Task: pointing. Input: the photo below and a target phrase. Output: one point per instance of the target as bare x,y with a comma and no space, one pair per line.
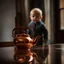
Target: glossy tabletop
51,53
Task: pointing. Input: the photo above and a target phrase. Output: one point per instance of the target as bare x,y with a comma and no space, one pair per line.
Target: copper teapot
22,40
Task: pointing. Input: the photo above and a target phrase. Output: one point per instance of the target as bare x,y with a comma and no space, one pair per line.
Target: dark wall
7,19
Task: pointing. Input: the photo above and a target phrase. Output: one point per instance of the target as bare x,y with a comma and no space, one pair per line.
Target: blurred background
15,13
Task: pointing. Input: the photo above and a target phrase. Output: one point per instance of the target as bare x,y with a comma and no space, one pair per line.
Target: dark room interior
15,13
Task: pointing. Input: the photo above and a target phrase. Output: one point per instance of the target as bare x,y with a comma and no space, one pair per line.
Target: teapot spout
36,40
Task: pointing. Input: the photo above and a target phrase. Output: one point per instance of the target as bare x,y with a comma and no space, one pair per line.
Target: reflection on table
36,55
55,54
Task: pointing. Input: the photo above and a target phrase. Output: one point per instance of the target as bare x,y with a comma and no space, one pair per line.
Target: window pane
61,3
62,14
62,19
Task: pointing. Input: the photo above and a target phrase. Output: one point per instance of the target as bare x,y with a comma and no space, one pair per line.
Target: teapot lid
23,35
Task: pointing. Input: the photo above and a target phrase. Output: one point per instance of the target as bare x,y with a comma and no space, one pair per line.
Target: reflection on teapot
23,40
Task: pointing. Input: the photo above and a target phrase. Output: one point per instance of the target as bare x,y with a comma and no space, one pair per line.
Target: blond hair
36,11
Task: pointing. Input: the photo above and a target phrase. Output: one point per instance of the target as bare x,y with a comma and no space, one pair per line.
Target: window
62,14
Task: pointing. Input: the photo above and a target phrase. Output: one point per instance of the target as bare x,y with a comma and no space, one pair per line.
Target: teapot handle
20,30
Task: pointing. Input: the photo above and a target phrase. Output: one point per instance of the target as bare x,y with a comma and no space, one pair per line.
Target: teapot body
23,41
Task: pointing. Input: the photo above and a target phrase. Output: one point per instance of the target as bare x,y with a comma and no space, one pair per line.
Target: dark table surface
7,53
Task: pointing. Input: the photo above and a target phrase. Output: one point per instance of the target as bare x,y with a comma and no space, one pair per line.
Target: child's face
35,17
